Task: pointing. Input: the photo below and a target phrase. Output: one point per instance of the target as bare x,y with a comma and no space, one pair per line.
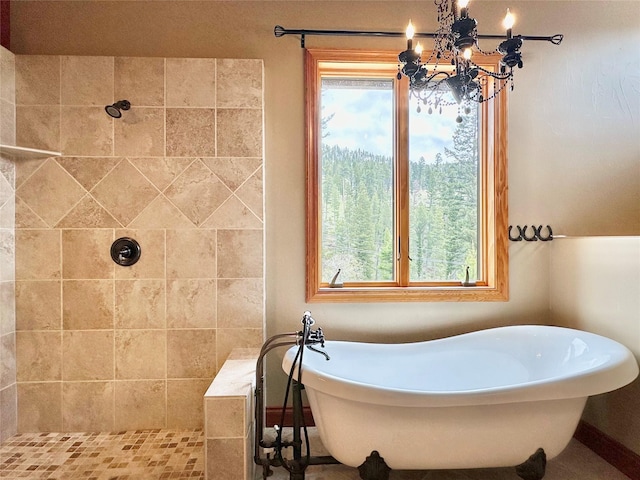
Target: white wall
594,285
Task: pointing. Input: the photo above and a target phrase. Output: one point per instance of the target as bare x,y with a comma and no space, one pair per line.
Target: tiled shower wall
102,347
7,250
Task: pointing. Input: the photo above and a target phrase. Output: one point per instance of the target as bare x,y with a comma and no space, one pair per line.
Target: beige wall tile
7,123
151,263
8,213
8,169
233,214
40,407
88,213
7,192
161,171
38,127
225,458
197,192
37,80
87,355
239,133
8,75
141,354
161,213
39,356
140,132
51,192
191,82
140,404
7,359
38,254
86,253
7,307
230,338
233,171
140,304
27,218
38,305
240,253
191,303
125,192
239,83
86,131
87,304
140,80
226,417
241,303
8,412
87,80
87,406
191,132
184,403
251,194
88,171
25,168
7,255
191,353
191,253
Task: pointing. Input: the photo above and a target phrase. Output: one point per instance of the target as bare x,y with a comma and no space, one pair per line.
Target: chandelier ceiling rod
279,31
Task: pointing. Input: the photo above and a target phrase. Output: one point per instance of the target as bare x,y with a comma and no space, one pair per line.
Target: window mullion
402,180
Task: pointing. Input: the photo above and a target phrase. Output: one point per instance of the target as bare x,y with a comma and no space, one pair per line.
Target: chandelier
449,76
455,43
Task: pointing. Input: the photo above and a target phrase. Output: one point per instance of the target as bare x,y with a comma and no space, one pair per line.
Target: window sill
409,294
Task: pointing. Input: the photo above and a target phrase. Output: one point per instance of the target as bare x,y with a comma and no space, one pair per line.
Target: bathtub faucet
311,337
295,466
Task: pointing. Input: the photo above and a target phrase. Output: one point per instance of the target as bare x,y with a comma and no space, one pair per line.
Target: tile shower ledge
26,152
228,406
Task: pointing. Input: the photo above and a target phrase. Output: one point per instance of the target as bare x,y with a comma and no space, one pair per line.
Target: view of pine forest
357,208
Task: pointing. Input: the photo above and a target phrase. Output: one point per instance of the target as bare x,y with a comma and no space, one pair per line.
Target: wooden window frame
493,197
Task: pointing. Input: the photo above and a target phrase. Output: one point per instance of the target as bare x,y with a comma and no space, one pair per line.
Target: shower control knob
125,251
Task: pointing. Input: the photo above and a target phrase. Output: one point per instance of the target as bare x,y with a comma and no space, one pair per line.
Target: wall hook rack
537,234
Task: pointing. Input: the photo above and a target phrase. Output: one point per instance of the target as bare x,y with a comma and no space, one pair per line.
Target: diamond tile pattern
110,192
50,192
197,183
124,192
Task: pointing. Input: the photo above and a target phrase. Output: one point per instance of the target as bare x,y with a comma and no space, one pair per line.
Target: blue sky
362,119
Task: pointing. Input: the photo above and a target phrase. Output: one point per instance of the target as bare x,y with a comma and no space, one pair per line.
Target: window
406,205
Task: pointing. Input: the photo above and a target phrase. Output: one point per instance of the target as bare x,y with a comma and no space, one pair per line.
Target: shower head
114,110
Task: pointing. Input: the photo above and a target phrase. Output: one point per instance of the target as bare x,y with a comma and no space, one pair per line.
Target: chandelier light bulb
410,32
508,22
467,54
419,49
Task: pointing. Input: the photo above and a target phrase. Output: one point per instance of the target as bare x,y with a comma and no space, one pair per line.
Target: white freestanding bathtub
484,399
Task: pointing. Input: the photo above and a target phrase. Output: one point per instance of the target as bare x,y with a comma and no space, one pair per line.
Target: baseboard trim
273,416
621,457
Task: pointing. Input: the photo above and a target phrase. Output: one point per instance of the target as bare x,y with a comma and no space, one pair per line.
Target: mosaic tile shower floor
134,455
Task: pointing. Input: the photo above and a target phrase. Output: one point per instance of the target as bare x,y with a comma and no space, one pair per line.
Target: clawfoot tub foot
374,468
535,466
